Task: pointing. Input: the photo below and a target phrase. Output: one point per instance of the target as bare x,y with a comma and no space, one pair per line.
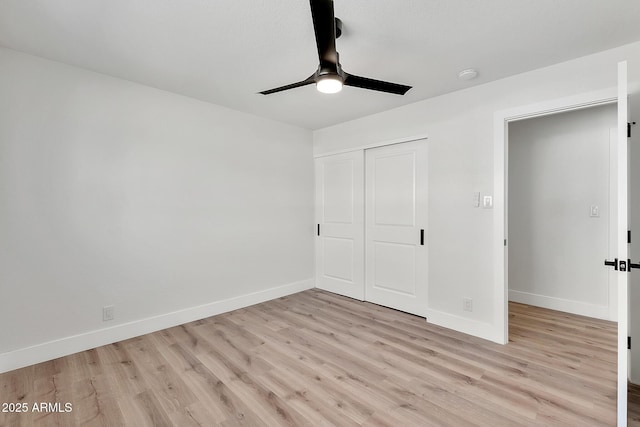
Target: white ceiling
225,51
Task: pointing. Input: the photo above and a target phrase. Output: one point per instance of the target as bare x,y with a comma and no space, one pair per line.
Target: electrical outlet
107,313
467,304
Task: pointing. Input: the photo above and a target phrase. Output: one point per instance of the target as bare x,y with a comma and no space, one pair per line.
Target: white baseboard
467,326
62,347
560,304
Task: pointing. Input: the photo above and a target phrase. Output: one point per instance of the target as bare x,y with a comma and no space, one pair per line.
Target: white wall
460,132
113,193
558,169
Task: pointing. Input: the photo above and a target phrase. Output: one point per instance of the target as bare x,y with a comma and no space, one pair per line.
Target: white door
620,232
396,222
340,224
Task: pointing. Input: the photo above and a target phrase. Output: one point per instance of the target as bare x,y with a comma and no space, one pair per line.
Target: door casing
500,329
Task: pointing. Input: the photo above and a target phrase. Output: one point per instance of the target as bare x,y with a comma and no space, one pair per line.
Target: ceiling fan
330,77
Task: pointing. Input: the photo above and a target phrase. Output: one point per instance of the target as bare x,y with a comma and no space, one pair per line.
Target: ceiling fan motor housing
330,69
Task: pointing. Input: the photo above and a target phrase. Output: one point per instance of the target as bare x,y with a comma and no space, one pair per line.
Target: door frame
500,181
619,95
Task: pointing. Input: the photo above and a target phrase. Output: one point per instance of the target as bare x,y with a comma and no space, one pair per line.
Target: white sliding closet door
396,220
340,224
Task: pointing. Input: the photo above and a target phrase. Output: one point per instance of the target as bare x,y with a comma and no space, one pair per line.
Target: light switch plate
487,202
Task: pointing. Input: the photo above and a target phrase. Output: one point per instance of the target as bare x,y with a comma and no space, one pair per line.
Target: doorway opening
558,211
618,204
561,224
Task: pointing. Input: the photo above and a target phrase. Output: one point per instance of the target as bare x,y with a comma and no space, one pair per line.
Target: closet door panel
396,220
340,224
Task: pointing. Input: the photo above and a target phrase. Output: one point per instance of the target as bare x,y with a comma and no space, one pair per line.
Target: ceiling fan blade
324,24
307,81
379,85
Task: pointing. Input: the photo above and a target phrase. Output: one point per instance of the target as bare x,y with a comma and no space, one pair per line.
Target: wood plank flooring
633,410
318,359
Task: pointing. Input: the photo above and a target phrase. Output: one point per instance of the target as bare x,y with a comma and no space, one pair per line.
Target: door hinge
628,343
318,229
505,242
628,236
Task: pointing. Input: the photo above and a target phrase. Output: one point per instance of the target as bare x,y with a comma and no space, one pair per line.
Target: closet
371,211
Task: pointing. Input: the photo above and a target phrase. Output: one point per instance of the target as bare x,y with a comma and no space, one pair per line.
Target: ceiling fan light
329,84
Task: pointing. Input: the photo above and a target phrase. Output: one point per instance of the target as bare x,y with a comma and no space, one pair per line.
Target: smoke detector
468,74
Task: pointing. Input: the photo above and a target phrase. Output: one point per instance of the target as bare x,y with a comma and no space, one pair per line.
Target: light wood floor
633,413
316,359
